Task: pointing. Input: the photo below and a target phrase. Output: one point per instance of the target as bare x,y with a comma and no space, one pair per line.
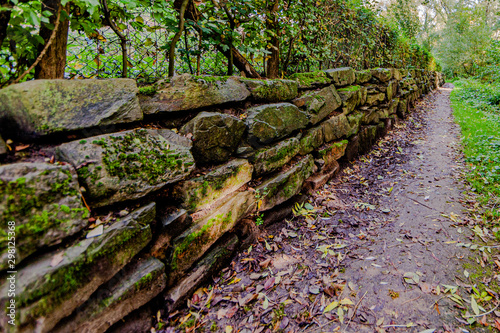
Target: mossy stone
331,152
374,99
269,159
271,122
194,242
355,120
128,165
44,202
271,90
341,77
204,191
311,139
311,79
215,136
351,98
132,287
207,267
40,107
319,104
381,74
363,76
186,92
48,291
281,187
335,128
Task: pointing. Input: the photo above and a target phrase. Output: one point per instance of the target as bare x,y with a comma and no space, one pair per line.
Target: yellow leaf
229,329
346,301
331,306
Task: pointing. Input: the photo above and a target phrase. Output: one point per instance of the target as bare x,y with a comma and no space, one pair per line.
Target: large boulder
341,76
268,159
281,187
271,90
44,203
270,122
128,290
215,136
194,242
319,104
128,165
40,107
335,128
58,282
186,92
204,191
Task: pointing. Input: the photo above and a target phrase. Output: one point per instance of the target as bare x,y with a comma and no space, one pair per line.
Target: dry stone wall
128,198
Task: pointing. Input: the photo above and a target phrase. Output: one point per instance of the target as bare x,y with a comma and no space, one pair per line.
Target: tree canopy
270,38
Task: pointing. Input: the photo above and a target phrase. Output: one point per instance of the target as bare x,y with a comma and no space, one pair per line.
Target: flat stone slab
43,201
128,165
40,107
319,104
128,290
51,287
270,122
269,159
186,92
215,136
341,77
204,269
205,191
271,90
285,185
194,242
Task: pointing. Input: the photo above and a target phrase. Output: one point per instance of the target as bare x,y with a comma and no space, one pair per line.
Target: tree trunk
121,36
240,62
52,65
273,64
171,54
4,19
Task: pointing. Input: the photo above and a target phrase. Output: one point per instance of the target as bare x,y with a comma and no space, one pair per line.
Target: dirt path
367,254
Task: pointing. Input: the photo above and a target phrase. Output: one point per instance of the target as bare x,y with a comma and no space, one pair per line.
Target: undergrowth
476,107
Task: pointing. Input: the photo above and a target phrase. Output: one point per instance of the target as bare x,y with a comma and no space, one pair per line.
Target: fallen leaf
331,306
474,306
229,329
269,283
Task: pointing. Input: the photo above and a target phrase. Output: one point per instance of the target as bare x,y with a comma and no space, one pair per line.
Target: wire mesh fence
100,55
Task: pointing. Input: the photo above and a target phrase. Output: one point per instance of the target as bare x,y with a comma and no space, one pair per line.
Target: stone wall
128,198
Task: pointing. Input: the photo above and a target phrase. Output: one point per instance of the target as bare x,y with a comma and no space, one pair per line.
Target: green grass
478,115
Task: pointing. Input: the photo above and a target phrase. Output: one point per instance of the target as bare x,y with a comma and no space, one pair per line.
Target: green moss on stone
148,90
311,78
349,88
